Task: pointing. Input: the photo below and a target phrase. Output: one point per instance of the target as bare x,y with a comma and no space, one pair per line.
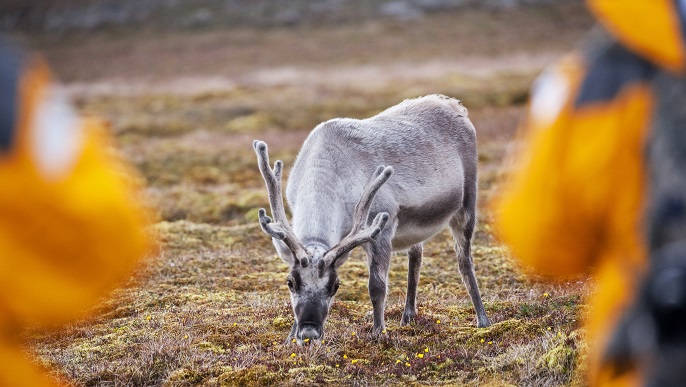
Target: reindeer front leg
379,259
414,265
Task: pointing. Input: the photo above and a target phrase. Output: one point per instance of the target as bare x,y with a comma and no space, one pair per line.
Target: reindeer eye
291,286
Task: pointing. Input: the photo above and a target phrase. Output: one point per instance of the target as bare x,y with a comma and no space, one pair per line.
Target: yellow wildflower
345,356
354,361
490,343
408,364
426,349
420,355
293,354
148,317
307,340
482,340
438,321
546,295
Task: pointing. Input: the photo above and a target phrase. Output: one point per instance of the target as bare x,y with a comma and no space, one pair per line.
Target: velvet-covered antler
279,228
361,233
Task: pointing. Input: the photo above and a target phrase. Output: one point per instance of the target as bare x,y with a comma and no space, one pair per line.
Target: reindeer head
313,279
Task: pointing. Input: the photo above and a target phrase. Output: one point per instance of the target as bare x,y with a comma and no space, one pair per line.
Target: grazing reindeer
431,145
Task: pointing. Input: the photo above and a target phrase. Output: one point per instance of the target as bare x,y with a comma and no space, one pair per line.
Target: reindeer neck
320,212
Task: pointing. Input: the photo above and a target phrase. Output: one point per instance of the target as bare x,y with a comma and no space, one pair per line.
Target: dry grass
212,307
196,315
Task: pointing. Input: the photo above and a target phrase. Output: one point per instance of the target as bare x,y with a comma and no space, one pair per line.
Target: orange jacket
70,226
576,201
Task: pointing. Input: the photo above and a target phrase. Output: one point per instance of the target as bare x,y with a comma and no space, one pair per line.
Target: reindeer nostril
310,331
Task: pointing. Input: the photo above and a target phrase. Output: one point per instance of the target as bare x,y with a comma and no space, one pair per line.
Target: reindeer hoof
407,318
380,334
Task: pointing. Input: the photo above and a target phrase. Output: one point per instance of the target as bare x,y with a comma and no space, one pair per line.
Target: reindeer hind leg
462,227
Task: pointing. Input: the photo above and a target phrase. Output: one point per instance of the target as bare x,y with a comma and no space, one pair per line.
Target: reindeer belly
411,235
419,223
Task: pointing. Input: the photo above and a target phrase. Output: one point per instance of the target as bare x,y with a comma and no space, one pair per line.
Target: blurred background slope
181,98
61,15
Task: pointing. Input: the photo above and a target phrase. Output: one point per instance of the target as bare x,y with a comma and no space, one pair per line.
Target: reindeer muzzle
309,331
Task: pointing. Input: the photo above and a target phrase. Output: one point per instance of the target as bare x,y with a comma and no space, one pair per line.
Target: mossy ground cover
211,307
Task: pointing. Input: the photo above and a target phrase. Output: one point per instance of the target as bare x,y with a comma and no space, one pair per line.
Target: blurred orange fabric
70,228
651,28
575,202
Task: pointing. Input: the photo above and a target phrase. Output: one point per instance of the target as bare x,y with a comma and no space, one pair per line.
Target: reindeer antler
360,232
280,229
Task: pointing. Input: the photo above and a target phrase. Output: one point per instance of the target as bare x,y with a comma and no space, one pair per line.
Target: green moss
558,359
207,346
253,376
281,322
250,123
184,376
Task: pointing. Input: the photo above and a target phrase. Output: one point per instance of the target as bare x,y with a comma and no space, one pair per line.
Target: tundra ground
212,307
